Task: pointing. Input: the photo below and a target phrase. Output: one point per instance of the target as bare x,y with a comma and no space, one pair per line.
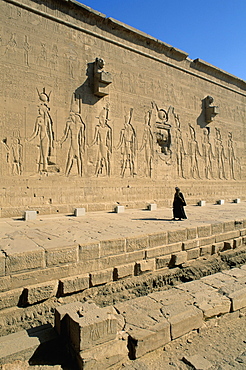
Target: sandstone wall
75,132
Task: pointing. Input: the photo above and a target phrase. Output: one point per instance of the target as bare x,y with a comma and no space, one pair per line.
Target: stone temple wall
94,113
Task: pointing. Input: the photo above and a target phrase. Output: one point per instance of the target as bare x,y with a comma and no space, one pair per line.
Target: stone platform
62,254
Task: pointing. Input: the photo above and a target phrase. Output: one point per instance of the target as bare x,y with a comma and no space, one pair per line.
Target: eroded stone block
30,215
123,271
40,292
101,277
74,284
144,266
177,236
10,298
179,258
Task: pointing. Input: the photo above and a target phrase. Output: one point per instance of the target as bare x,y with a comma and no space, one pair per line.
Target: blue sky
214,31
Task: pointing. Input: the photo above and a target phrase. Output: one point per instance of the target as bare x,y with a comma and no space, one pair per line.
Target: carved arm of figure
65,135
120,143
35,131
109,140
95,139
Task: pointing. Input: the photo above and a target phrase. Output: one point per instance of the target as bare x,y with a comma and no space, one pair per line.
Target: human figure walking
178,205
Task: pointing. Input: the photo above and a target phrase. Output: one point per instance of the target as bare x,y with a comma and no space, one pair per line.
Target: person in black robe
178,205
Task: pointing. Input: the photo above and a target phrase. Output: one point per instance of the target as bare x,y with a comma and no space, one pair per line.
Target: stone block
206,250
135,243
238,299
206,241
30,215
201,203
89,251
203,231
40,292
219,280
178,258
74,284
157,240
2,263
197,362
91,326
59,256
10,298
79,212
193,254
134,256
152,207
243,232
143,341
119,209
228,245
188,319
144,266
229,226
190,244
217,247
238,224
101,277
177,236
217,228
62,327
112,247
123,271
162,262
22,261
220,201
227,235
104,356
164,250
237,242
237,200
191,233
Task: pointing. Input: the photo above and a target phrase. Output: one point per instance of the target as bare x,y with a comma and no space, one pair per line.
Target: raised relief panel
75,133
162,133
101,79
220,155
210,110
103,140
148,144
128,145
208,154
14,153
43,130
193,152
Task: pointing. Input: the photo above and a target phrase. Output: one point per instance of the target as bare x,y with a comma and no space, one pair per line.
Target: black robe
178,206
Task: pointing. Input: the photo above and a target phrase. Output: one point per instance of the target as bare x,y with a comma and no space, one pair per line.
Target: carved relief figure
180,153
14,153
231,156
101,78
11,45
54,58
193,151
44,130
128,145
103,138
162,130
220,155
147,144
75,132
207,154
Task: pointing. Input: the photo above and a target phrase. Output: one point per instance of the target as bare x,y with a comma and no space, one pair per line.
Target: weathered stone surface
104,356
101,277
190,244
162,262
193,253
217,247
59,256
123,271
137,242
78,212
40,292
89,251
203,231
152,207
179,258
237,242
30,215
157,240
206,250
206,241
191,233
238,299
112,247
177,236
229,226
228,245
144,266
74,284
197,362
164,250
10,298
2,263
119,209
227,235
61,311
217,228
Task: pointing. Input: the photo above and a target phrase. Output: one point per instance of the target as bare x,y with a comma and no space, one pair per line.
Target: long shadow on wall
85,91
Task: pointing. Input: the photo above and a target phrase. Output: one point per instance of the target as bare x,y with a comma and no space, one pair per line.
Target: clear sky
214,31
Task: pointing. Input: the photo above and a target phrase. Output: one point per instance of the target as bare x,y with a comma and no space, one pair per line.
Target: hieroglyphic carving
193,152
128,145
75,132
207,154
103,138
147,143
42,57
180,153
11,45
26,47
220,155
14,150
43,129
53,63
